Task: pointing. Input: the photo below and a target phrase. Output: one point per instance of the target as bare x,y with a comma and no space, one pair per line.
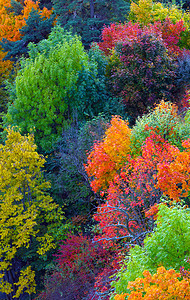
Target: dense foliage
88,18
28,213
144,75
163,247
162,285
103,88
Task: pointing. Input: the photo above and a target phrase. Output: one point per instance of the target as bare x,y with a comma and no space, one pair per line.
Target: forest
94,150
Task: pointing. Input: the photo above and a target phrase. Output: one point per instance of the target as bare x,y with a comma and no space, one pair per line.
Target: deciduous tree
24,206
109,155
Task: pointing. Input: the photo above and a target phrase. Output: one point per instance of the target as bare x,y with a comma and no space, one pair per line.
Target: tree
131,193
60,88
147,11
162,285
36,29
12,23
24,206
13,16
173,177
165,119
65,167
109,155
137,185
155,79
88,18
166,31
47,99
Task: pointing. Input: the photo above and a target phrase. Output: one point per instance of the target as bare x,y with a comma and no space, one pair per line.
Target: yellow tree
24,206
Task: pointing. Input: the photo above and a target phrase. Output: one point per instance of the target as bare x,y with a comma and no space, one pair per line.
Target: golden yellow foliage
147,11
23,199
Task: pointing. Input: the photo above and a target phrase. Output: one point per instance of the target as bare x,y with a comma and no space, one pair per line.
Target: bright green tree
24,206
57,84
46,91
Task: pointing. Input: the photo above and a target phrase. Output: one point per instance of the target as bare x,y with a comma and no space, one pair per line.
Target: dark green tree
16,7
87,18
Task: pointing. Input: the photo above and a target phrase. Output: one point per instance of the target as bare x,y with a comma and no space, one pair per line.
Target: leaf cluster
168,245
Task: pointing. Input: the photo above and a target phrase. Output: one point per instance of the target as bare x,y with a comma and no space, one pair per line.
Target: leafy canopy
24,206
46,91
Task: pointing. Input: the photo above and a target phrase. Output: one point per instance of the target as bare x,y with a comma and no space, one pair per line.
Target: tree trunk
92,9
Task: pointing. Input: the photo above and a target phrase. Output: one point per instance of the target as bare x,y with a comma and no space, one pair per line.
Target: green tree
87,18
46,91
28,215
57,84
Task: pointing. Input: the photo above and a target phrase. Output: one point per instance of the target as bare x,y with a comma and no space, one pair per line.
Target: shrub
144,75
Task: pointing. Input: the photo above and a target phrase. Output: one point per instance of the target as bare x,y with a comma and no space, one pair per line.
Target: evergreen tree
87,18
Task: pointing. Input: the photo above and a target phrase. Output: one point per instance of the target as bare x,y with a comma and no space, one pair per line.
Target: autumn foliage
136,183
165,284
10,24
81,263
131,193
23,202
174,177
109,155
166,31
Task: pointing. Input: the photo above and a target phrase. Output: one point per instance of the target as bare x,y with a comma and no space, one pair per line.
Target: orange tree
161,170
165,284
131,193
108,155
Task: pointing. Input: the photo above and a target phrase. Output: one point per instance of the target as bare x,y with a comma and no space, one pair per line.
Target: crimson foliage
144,75
79,262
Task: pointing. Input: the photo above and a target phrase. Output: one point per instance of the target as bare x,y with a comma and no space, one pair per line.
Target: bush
144,75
